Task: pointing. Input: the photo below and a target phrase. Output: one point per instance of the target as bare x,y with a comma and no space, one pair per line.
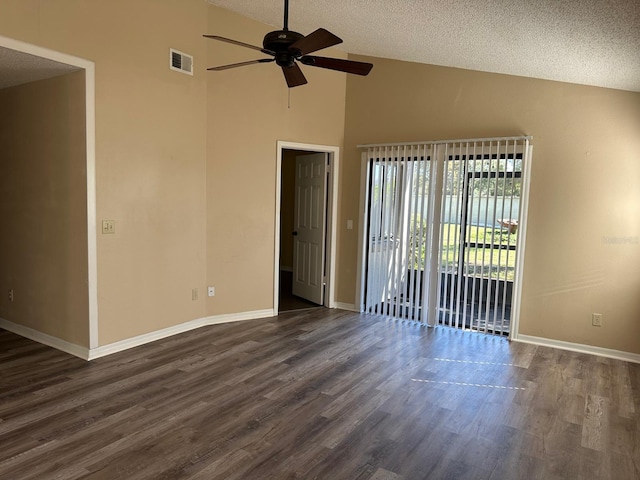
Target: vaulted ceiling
591,42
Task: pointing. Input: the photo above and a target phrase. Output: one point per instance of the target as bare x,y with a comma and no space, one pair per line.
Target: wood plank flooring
320,394
287,301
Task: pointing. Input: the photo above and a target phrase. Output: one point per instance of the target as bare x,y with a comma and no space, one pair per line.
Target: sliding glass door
442,228
398,222
480,219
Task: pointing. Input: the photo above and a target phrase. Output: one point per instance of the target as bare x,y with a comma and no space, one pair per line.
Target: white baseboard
346,306
578,347
45,339
176,329
239,317
104,350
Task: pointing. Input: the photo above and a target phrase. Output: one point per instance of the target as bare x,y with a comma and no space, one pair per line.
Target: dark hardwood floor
287,300
323,394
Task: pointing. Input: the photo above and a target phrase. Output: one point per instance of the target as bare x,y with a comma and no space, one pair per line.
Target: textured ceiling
17,68
591,42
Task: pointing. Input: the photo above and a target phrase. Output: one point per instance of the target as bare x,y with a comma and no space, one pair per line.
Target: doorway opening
22,64
305,226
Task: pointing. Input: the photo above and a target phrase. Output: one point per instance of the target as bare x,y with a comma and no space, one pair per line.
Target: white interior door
310,227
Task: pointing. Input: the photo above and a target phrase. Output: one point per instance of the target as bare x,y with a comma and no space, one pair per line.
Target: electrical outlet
11,295
194,294
596,319
211,291
108,226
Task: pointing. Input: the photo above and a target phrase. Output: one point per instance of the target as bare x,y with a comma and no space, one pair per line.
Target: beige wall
43,246
247,114
150,149
185,165
583,241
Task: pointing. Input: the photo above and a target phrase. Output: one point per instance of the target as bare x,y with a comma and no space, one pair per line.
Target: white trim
86,354
514,328
45,339
241,316
176,329
363,246
90,122
332,218
578,347
104,350
332,226
92,241
346,306
276,253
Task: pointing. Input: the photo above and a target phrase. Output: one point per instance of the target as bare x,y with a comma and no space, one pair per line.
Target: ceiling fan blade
240,44
317,40
294,75
242,64
348,66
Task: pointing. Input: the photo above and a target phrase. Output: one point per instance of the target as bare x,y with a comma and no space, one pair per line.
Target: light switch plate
108,226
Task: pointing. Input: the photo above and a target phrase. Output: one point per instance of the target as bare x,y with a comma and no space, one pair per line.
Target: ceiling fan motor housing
279,43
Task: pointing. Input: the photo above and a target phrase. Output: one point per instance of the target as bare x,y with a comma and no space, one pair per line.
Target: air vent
180,62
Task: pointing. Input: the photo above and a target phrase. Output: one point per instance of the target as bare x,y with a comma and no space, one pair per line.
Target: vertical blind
442,224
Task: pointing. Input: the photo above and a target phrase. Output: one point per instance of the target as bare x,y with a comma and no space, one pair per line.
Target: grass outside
494,263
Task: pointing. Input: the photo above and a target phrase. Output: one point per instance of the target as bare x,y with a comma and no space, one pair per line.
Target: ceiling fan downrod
286,15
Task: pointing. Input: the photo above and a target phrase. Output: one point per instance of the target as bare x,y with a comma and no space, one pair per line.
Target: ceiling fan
288,47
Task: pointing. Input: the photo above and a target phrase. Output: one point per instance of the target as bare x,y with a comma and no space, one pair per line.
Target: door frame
90,122
333,153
